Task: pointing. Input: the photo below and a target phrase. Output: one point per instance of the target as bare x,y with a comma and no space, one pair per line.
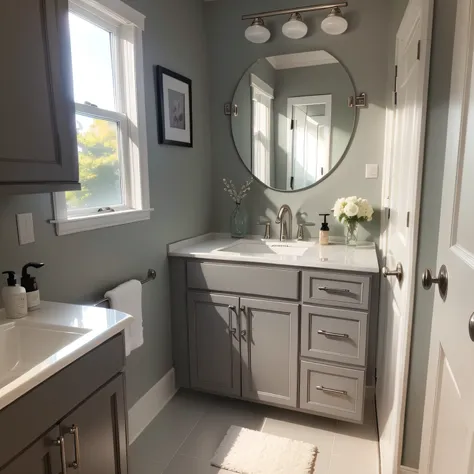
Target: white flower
351,209
353,199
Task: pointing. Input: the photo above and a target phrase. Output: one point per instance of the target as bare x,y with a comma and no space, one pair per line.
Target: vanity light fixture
257,32
295,27
334,23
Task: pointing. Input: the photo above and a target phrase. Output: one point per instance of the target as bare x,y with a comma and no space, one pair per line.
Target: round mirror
291,121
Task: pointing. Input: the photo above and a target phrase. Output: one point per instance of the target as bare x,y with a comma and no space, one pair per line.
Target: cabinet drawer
336,289
334,391
338,335
244,279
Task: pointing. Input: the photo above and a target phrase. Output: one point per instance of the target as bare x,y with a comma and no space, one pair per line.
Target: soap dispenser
14,298
31,286
324,232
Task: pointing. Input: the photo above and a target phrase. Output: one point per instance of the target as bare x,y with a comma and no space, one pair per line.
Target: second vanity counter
289,323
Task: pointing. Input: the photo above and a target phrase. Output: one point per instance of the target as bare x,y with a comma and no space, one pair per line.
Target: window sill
82,224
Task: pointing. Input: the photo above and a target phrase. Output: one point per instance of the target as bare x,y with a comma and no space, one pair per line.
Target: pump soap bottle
14,298
324,232
31,287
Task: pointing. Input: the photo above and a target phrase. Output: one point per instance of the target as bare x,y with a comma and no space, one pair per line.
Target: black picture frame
163,137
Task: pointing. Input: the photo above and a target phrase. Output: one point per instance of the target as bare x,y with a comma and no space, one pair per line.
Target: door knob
427,281
398,272
471,327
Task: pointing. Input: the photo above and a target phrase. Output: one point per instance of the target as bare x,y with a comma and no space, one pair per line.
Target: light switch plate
371,171
26,231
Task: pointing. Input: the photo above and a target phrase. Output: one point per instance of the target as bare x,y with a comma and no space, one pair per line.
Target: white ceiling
311,58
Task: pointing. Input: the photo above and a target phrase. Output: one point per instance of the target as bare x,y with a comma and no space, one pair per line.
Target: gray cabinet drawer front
244,279
337,335
333,391
336,289
37,411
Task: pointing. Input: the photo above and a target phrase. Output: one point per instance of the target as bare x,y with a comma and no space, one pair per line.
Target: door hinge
388,213
292,125
408,219
418,53
395,81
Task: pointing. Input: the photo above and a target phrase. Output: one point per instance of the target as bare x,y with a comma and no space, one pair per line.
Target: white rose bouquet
351,211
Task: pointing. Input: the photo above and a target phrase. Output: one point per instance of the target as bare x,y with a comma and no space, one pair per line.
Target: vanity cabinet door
214,344
269,343
42,457
95,433
37,126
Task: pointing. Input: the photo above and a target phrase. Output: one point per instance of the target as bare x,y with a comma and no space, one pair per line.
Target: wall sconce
295,28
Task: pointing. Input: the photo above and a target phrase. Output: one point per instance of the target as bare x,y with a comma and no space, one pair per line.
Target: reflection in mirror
293,123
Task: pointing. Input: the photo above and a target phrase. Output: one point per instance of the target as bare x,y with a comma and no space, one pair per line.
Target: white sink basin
25,345
268,248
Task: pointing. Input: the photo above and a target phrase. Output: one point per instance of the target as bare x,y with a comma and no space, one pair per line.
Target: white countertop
335,256
82,327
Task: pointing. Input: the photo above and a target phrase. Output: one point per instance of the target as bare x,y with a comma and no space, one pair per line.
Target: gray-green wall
81,267
363,50
438,102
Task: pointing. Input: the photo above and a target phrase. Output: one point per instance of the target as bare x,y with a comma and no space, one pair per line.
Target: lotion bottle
31,286
14,298
324,232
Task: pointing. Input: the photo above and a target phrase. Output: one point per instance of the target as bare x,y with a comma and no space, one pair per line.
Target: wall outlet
26,231
371,171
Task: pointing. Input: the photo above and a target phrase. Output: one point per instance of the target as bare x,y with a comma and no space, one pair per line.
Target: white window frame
126,26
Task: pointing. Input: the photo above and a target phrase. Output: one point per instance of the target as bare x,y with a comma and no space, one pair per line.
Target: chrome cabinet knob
398,272
427,281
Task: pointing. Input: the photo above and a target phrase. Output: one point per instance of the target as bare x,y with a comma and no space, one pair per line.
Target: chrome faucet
284,218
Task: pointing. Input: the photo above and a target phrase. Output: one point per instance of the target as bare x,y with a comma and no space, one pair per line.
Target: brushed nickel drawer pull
331,390
334,290
333,334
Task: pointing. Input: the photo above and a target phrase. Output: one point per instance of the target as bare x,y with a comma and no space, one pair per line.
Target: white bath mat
252,452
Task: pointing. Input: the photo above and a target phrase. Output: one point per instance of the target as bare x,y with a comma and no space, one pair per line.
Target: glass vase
238,222
351,233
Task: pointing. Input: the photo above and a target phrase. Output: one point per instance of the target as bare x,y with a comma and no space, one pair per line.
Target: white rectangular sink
24,345
268,248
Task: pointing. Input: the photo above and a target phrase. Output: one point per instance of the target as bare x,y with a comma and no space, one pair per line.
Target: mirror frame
346,150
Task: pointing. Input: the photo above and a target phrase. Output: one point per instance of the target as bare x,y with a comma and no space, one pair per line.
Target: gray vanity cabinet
214,343
42,457
269,347
82,405
38,149
294,337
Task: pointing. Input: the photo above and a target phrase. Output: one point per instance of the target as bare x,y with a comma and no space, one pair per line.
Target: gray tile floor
184,436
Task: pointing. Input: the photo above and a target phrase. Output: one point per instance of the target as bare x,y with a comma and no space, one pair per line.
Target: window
107,66
262,128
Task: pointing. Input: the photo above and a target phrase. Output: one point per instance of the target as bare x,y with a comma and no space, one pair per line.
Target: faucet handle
268,229
301,226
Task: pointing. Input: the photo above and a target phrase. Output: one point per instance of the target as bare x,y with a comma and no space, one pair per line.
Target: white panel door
402,230
448,427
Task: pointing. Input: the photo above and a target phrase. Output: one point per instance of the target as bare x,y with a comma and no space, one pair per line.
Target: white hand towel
128,299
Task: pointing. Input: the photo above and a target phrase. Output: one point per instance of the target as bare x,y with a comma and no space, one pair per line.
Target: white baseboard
407,470
146,409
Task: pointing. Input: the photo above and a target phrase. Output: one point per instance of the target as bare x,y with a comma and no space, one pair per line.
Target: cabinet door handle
331,390
232,330
74,430
333,334
62,450
333,290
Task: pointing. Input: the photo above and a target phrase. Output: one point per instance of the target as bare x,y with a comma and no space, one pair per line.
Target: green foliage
99,167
